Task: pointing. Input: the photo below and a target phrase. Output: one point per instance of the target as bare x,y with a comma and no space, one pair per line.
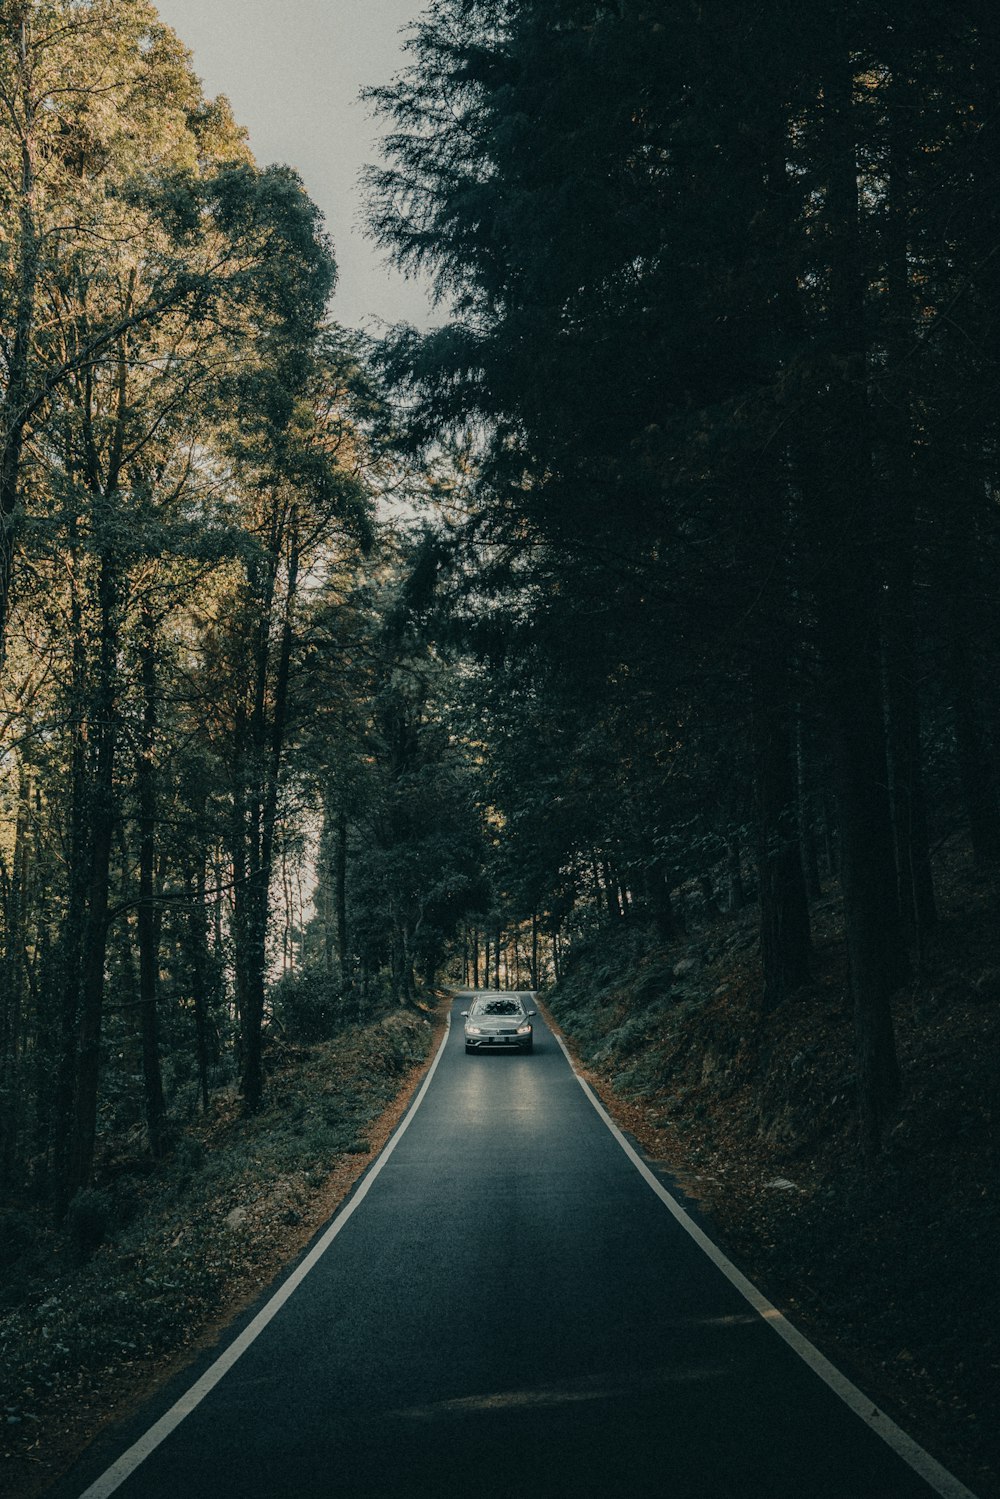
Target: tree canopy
722,311
657,581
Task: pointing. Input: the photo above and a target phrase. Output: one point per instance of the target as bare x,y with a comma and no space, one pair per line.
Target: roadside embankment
158,1257
891,1266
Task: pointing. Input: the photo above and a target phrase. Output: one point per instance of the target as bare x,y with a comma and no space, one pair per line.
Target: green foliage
187,459
307,1006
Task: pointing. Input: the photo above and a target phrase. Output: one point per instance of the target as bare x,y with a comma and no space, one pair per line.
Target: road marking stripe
941,1481
126,1465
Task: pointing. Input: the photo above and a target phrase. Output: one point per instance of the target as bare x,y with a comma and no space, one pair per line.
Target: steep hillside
891,1268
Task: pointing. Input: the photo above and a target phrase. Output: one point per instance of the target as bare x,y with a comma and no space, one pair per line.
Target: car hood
493,1025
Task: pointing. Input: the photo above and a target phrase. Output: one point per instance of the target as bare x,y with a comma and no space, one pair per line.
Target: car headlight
524,1030
473,1030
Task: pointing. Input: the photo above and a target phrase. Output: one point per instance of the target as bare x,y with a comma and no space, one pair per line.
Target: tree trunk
784,908
198,970
267,740
149,958
773,613
340,895
807,825
71,935
830,835
848,609
21,319
909,815
103,728
251,924
917,904
15,890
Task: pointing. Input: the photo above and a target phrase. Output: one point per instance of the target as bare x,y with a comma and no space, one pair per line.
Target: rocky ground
891,1268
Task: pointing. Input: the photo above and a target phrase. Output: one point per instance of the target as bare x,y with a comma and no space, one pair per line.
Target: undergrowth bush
308,1006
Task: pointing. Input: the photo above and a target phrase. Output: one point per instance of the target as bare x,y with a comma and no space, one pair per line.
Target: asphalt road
512,1311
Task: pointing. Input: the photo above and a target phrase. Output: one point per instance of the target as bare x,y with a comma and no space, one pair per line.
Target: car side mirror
532,1012
465,1012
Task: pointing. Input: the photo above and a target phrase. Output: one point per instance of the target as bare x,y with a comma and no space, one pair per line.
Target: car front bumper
496,1043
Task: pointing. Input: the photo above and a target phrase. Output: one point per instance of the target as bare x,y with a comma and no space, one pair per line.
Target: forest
656,585
724,348
630,636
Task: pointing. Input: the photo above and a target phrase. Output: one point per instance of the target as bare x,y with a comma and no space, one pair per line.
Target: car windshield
497,1007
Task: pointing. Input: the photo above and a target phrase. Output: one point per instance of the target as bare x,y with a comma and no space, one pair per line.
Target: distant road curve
511,1306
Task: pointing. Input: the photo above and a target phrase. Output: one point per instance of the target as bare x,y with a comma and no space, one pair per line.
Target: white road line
126,1465
940,1480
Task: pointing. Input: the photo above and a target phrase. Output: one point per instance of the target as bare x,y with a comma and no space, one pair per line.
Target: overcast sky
292,70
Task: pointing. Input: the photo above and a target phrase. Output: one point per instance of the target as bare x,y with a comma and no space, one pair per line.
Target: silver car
496,1021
